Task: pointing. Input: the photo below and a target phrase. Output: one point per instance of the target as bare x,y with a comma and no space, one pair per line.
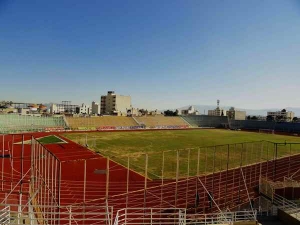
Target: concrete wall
240,115
123,103
287,219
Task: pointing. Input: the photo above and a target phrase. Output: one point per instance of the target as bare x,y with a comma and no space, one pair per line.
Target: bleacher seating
18,123
205,120
160,121
92,123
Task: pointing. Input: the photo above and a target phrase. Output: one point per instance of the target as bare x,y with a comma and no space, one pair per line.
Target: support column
107,179
2,170
84,190
177,177
162,179
196,180
187,180
227,167
146,179
127,180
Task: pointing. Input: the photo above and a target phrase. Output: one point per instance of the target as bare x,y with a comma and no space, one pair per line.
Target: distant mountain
261,112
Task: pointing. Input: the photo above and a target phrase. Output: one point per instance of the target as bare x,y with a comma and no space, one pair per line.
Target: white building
83,109
95,108
64,108
54,109
113,104
189,111
132,112
282,115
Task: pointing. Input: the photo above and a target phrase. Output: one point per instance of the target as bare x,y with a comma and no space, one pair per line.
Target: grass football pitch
192,150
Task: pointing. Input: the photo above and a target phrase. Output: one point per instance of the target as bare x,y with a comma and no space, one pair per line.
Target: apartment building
113,104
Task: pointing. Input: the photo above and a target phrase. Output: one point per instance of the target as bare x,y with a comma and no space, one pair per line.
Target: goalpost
266,131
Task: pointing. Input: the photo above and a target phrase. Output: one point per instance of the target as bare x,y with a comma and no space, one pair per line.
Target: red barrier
106,128
54,129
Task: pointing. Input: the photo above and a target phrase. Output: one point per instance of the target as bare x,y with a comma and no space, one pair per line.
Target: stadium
146,170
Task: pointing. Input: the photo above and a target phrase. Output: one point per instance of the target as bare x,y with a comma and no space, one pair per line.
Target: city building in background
236,114
66,107
133,112
256,117
189,111
282,115
83,109
217,111
95,108
113,104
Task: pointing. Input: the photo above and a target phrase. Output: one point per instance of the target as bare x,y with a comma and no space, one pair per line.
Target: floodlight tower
218,103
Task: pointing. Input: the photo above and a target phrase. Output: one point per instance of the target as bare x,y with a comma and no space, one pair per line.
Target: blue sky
165,54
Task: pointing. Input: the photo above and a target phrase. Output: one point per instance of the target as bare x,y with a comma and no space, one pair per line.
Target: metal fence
14,214
153,216
188,162
170,179
203,180
21,124
45,185
178,216
222,218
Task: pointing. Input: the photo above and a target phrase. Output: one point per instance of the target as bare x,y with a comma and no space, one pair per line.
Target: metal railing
5,215
151,216
221,218
45,214
286,205
267,188
158,216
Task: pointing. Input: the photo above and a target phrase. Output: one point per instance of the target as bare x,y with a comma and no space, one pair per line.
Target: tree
284,110
295,119
143,112
248,117
168,113
270,118
279,118
176,112
254,118
171,113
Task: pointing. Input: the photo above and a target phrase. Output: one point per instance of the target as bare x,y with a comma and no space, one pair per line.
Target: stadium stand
205,121
93,123
18,123
161,121
269,125
224,122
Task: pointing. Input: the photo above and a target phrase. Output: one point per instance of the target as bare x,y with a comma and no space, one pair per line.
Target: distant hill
262,112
